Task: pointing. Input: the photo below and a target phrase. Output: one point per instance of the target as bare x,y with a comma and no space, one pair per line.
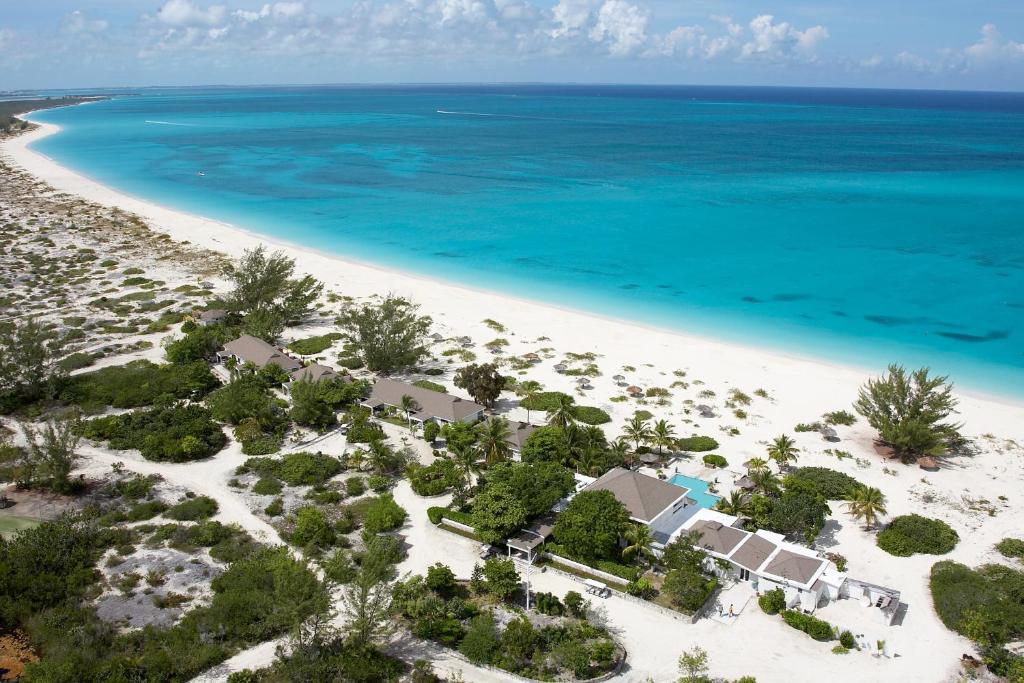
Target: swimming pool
698,490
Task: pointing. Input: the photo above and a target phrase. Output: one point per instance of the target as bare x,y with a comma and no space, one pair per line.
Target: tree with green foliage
366,600
536,486
199,344
312,528
545,444
176,432
267,295
246,397
687,588
910,411
389,336
501,578
866,503
430,431
562,413
783,451
492,439
467,462
737,504
638,430
53,448
591,525
481,642
800,511
29,367
497,513
383,514
684,553
693,665
638,543
662,435
527,390
483,382
408,404
308,405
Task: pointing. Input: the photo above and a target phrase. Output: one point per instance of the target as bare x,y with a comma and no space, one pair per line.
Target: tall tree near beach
663,435
267,295
638,430
563,412
29,352
52,449
866,503
910,411
783,451
389,336
483,382
527,390
492,437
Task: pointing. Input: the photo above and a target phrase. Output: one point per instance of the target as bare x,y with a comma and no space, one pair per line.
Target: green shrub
434,372
1011,547
984,603
840,417
355,486
264,444
267,486
313,345
378,483
909,534
275,508
543,401
312,529
307,469
430,431
144,511
430,386
434,514
206,534
350,362
434,479
829,483
190,509
591,415
697,444
773,601
847,640
138,383
714,460
173,433
383,514
812,626
76,361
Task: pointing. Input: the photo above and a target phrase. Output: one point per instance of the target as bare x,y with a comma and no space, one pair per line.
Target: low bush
984,604
910,534
431,386
378,483
383,514
173,433
773,601
139,383
76,361
714,460
144,511
591,415
829,483
275,508
307,469
434,479
697,444
309,346
191,509
268,486
350,362
847,640
1011,547
812,626
543,401
355,486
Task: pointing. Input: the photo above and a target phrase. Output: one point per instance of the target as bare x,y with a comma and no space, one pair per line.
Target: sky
938,44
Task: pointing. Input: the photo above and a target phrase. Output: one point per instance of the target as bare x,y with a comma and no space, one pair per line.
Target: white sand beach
966,492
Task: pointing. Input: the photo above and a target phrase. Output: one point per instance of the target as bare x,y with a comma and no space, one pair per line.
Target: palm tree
382,459
764,482
663,435
587,462
619,450
866,503
493,435
466,459
737,504
527,391
783,451
638,430
756,465
563,413
638,538
408,405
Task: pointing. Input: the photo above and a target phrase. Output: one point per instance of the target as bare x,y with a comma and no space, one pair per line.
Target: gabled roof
429,403
798,568
717,537
644,497
754,551
315,372
253,350
519,432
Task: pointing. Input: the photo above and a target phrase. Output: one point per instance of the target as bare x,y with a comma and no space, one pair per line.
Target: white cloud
621,25
773,41
571,16
77,22
187,13
993,47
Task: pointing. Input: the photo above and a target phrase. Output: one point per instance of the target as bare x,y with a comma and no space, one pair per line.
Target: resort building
428,405
662,506
314,372
249,349
519,433
767,561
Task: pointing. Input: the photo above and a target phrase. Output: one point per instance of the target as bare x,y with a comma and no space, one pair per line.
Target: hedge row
812,626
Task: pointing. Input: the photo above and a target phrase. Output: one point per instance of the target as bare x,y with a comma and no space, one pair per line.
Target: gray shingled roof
428,403
253,350
519,433
315,372
793,566
753,552
644,497
718,537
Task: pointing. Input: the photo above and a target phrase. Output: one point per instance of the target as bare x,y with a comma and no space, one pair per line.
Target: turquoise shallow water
861,226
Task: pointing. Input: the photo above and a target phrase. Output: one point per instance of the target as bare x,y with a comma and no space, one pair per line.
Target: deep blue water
856,225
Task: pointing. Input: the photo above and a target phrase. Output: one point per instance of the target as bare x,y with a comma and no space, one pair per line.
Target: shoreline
459,306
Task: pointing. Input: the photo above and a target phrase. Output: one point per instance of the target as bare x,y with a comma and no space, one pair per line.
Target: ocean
858,226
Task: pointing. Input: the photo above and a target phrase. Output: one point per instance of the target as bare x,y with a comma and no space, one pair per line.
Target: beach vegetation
245,398
427,384
388,336
591,525
910,411
30,354
483,382
438,477
1011,547
840,417
497,513
782,450
715,460
591,415
773,601
492,440
693,666
267,295
49,455
687,588
383,514
696,444
812,626
309,346
866,503
174,432
831,484
909,534
309,407
138,383
193,509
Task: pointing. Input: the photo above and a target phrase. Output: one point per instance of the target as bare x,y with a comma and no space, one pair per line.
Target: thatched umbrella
437,337
532,357
619,379
928,463
829,434
705,411
649,458
634,390
561,367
